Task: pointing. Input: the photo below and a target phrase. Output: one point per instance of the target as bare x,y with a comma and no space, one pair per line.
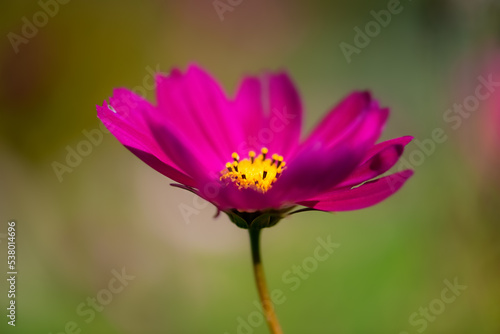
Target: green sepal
256,220
236,219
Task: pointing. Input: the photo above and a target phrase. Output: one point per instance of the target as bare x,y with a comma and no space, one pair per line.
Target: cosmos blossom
246,153
246,156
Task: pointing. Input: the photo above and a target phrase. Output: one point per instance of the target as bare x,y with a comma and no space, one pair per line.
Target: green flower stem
260,280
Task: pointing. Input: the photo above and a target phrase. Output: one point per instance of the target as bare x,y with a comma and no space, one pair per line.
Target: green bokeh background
114,212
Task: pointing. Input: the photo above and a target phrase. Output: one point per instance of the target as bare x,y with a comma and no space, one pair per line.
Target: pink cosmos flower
246,155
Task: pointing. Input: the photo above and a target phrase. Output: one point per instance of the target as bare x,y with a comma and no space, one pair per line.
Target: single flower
245,154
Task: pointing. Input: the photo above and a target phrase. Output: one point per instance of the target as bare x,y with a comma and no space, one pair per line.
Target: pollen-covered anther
255,172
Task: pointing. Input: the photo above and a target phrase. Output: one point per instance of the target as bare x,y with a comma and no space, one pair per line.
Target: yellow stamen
257,173
251,154
264,151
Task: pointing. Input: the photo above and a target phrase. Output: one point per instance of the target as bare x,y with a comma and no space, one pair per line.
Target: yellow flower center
255,172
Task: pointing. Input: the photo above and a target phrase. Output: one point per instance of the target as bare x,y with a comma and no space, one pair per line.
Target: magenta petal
131,107
230,197
250,114
361,197
349,119
162,167
284,116
271,118
176,146
341,117
314,171
118,120
379,160
195,104
365,131
319,167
